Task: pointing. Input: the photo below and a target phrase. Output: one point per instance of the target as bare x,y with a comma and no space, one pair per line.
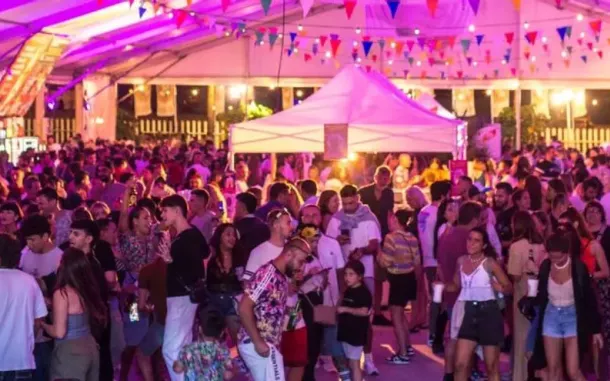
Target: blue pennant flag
393,4
480,39
366,46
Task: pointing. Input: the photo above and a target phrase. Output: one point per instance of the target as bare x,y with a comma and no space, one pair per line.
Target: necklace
476,260
562,266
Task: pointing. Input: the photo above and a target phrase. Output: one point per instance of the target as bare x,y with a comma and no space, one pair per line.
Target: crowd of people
158,259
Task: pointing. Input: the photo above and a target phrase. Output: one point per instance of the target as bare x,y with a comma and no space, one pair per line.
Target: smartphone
221,207
133,312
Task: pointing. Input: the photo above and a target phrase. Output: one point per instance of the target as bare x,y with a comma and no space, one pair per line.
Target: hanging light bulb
300,28
358,30
526,25
580,17
471,28
417,31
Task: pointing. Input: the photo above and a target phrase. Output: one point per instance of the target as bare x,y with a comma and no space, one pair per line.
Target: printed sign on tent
489,138
457,168
335,141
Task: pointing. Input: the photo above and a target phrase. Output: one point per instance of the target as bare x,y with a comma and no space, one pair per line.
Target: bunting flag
393,5
273,35
323,40
131,3
334,36
563,32
288,52
260,34
141,11
513,71
451,41
579,41
596,26
314,49
517,4
368,68
411,60
156,7
421,41
566,62
411,44
600,54
545,47
405,73
474,4
510,36
569,49
381,43
558,4
293,36
469,61
307,57
374,57
460,74
527,55
431,61
531,37
590,45
406,55
584,58
349,5
180,17
366,47
465,45
423,74
549,65
432,6
398,48
431,45
334,44
266,4
189,3
479,38
225,4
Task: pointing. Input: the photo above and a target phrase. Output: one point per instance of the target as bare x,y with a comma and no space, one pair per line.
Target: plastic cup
437,292
532,287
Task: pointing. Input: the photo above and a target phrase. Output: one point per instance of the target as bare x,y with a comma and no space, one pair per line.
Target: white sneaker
328,365
370,368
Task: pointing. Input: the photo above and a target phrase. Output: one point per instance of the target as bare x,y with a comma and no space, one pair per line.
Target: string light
300,28
471,28
544,39
594,102
418,63
533,58
488,92
526,25
582,34
299,93
358,30
564,54
390,62
503,62
328,54
417,31
580,17
355,43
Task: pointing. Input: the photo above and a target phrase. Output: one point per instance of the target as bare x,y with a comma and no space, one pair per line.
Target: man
463,187
84,235
262,309
23,307
185,269
90,161
31,185
199,166
451,246
426,229
560,205
548,167
359,234
280,227
108,190
279,194
201,216
309,191
590,190
48,203
379,197
501,200
252,231
401,173
242,172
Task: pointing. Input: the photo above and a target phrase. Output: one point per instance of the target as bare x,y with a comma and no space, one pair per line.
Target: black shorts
483,323
403,288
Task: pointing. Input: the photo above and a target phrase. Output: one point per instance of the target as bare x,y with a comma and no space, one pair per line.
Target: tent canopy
431,104
378,120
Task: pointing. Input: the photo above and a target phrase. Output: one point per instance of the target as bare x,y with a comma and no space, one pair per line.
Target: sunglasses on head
276,214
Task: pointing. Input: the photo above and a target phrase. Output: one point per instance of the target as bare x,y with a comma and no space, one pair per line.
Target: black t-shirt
101,262
353,329
221,282
189,249
504,227
380,207
549,169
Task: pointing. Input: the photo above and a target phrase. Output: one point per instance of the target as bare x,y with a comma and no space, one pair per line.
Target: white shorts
262,368
352,352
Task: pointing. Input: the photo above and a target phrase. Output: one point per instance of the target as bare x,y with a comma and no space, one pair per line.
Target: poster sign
457,168
489,138
335,141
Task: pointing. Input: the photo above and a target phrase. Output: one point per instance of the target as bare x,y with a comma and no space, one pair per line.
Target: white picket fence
579,138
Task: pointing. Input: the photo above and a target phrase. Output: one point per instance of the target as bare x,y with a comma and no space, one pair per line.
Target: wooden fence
579,138
61,128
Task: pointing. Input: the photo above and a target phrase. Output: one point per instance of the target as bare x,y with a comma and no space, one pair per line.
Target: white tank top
561,295
476,286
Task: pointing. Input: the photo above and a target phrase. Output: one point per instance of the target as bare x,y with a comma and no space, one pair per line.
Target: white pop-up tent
431,104
378,120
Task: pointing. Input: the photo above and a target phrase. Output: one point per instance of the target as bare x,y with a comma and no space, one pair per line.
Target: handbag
198,292
527,303
322,314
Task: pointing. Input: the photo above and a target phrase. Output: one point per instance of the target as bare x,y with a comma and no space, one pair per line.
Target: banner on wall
489,138
335,141
457,169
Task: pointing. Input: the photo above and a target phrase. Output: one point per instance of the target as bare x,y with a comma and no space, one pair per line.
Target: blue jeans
42,356
530,343
559,322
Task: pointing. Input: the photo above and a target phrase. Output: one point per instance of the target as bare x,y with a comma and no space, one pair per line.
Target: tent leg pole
518,118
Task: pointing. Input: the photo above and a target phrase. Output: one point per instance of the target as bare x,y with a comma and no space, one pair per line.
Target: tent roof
378,120
431,104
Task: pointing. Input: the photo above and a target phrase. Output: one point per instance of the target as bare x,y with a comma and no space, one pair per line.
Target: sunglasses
276,214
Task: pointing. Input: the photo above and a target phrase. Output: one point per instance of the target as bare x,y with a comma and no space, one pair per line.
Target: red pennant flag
131,3
423,74
590,45
545,47
411,44
225,4
307,57
374,57
531,37
460,74
558,3
488,59
430,61
156,7
600,54
388,54
100,2
441,54
334,44
513,71
349,5
368,68
579,41
323,40
432,6
527,55
180,17
566,62
596,26
451,41
510,36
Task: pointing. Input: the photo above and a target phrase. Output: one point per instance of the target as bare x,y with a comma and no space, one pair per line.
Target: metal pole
518,118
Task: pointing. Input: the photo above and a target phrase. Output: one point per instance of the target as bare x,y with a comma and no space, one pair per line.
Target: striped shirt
401,248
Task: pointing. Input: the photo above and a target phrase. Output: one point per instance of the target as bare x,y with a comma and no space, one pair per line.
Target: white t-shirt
39,265
359,238
21,302
329,256
261,255
426,221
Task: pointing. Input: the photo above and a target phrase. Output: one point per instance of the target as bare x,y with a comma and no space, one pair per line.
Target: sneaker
370,368
381,320
410,351
398,360
328,366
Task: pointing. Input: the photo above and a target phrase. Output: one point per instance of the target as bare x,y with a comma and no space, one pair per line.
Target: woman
225,268
401,257
522,200
526,253
479,279
543,224
329,204
534,188
100,210
446,218
78,311
568,312
10,217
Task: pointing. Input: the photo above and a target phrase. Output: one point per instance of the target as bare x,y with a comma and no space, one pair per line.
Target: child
209,359
353,320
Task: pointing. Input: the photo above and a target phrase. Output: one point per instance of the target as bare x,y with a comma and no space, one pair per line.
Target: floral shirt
268,289
139,252
63,221
205,361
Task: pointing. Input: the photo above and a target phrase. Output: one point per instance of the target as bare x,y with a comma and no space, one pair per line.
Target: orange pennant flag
517,4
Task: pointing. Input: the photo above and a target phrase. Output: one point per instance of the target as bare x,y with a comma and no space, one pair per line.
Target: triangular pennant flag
590,45
507,58
349,5
545,47
368,68
411,43
432,6
558,4
531,37
314,49
496,73
323,40
334,44
381,43
366,47
569,31
441,54
596,26
532,68
388,54
406,55
431,45
156,7
406,73
562,32
374,57
189,3
225,4
293,36
180,16
474,4
334,36
597,37
479,38
131,3
580,41
421,41
566,62
465,45
510,36
423,74
569,49
435,109
266,4
272,38
451,41
288,52
469,60
460,74
398,48
431,61
517,4
600,54
527,55
141,11
393,5
259,36
100,2
549,65
513,71
307,57
411,60
584,58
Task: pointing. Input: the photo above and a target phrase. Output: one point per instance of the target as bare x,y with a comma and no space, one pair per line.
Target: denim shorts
559,322
224,303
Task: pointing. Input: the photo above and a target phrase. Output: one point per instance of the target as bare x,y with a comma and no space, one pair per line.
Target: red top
587,256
